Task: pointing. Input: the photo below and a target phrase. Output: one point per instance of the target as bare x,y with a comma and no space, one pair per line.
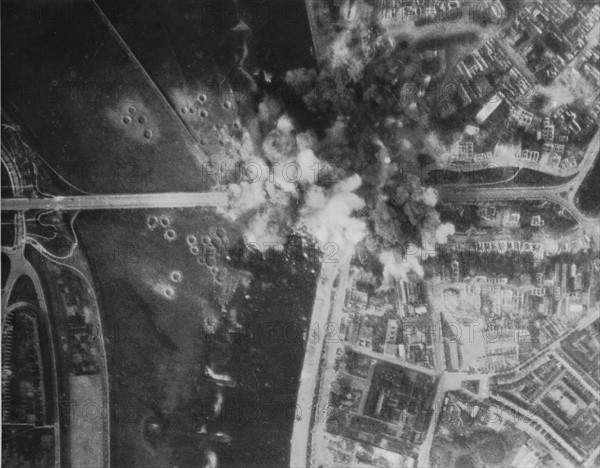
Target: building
452,355
472,130
392,349
465,151
365,338
525,457
487,212
554,160
380,304
482,157
361,282
547,130
496,12
539,280
556,148
537,221
510,219
359,297
348,10
402,291
578,282
523,117
529,155
455,266
391,333
489,108
502,350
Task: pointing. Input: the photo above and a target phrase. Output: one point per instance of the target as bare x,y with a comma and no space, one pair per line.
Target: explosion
280,191
397,266
365,137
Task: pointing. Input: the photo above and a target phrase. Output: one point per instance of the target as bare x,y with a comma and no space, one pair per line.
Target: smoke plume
397,266
279,190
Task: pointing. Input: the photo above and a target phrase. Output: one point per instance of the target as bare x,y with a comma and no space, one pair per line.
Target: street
562,195
303,425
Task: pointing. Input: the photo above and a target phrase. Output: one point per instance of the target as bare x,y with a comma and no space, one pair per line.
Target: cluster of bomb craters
207,248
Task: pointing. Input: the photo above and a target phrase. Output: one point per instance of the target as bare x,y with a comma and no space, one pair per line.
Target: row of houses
496,246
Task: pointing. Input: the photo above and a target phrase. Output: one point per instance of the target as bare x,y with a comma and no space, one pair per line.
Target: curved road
21,267
563,195
552,194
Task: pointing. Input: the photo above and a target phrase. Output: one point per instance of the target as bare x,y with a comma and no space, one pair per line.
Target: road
438,403
394,360
563,195
591,226
449,381
123,201
314,33
583,323
308,436
570,187
592,458
328,375
309,379
84,392
584,379
80,431
523,423
21,267
509,160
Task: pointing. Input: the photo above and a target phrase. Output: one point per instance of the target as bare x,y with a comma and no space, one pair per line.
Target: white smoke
264,231
279,190
268,109
444,231
308,166
397,266
328,214
442,152
430,196
244,197
285,124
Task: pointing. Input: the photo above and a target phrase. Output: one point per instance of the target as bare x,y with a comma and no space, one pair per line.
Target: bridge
124,201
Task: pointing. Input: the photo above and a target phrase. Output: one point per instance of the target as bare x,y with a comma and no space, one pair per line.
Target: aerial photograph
300,233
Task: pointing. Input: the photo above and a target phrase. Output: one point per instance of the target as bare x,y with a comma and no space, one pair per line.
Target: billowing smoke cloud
442,152
418,203
264,230
444,231
279,191
396,266
247,196
430,197
328,214
343,55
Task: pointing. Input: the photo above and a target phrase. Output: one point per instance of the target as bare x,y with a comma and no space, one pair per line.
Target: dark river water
158,346
161,304
588,196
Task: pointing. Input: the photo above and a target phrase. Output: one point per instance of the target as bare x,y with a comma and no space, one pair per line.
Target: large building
489,107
